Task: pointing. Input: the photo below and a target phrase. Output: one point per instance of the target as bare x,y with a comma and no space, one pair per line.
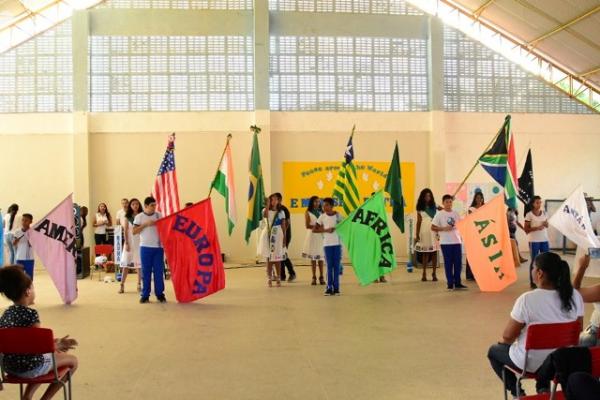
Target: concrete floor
405,339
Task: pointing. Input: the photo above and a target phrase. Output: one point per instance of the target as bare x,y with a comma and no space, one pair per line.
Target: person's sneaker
161,299
292,278
336,293
450,287
144,300
460,286
328,292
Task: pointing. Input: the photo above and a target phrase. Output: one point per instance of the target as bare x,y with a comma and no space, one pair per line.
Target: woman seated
554,301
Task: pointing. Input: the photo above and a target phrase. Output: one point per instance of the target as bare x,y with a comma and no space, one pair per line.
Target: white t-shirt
534,222
443,219
101,230
148,235
540,306
330,221
120,217
23,249
6,223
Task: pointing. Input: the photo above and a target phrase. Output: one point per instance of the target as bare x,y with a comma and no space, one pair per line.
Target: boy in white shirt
444,223
151,251
120,217
23,252
332,247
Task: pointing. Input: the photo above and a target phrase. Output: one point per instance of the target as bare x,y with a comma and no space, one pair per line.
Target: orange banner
487,244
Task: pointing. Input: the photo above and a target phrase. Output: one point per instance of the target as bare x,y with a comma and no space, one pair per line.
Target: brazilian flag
256,191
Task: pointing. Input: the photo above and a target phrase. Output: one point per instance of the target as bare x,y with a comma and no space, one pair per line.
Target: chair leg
69,384
504,384
518,387
21,391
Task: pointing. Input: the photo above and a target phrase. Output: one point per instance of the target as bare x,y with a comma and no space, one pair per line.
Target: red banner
192,248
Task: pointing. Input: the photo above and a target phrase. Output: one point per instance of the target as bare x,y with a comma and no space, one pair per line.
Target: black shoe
144,300
336,293
292,278
328,292
471,279
450,287
460,286
161,299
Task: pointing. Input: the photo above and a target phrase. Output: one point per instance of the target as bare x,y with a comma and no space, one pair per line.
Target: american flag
165,187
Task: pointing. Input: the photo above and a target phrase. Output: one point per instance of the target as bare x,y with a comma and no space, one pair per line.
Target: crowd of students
553,298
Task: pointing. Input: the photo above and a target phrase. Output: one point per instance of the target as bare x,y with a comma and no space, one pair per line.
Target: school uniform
23,252
152,256
451,246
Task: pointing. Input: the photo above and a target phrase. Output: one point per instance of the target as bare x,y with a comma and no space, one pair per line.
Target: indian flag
224,184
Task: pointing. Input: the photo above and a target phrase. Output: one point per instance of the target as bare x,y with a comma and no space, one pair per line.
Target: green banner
366,235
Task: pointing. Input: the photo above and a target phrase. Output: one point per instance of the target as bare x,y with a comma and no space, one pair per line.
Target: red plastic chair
32,341
102,250
543,337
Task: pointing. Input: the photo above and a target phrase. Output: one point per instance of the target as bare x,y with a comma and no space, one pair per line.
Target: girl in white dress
131,255
313,242
273,240
425,238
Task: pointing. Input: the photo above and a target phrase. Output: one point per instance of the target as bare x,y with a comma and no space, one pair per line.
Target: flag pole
477,162
229,136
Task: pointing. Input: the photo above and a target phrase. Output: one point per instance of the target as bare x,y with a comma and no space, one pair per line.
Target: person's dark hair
149,200
278,206
310,204
129,212
329,201
12,210
107,212
447,196
278,195
189,204
421,204
14,282
125,198
533,200
558,273
27,215
473,203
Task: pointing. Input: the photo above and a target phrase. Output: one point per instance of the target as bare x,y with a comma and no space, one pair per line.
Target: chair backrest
103,249
552,336
26,340
595,354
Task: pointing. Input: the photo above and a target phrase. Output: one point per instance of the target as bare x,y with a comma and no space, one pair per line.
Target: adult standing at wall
9,222
102,220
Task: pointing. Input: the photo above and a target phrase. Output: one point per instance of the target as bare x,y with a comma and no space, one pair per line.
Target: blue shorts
42,370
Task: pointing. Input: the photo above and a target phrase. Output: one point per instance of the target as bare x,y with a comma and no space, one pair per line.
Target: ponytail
558,273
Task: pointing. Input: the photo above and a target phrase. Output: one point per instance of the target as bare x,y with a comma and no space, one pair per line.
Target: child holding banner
313,242
536,227
151,252
444,223
478,201
273,240
332,246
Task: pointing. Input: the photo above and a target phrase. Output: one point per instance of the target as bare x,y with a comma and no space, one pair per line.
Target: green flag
366,235
393,186
256,192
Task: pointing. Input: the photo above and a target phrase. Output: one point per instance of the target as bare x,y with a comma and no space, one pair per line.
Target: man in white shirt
151,251
122,212
444,223
23,252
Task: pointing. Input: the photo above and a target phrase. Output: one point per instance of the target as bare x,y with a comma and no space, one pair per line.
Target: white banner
573,220
118,244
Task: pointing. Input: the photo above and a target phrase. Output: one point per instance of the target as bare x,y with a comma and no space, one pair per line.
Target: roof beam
481,8
589,72
563,27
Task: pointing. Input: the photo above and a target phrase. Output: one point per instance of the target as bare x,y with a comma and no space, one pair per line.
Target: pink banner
53,239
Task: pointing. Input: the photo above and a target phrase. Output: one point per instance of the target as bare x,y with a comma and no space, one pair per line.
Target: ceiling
566,32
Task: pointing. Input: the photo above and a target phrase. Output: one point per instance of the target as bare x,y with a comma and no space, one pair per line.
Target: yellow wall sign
303,179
